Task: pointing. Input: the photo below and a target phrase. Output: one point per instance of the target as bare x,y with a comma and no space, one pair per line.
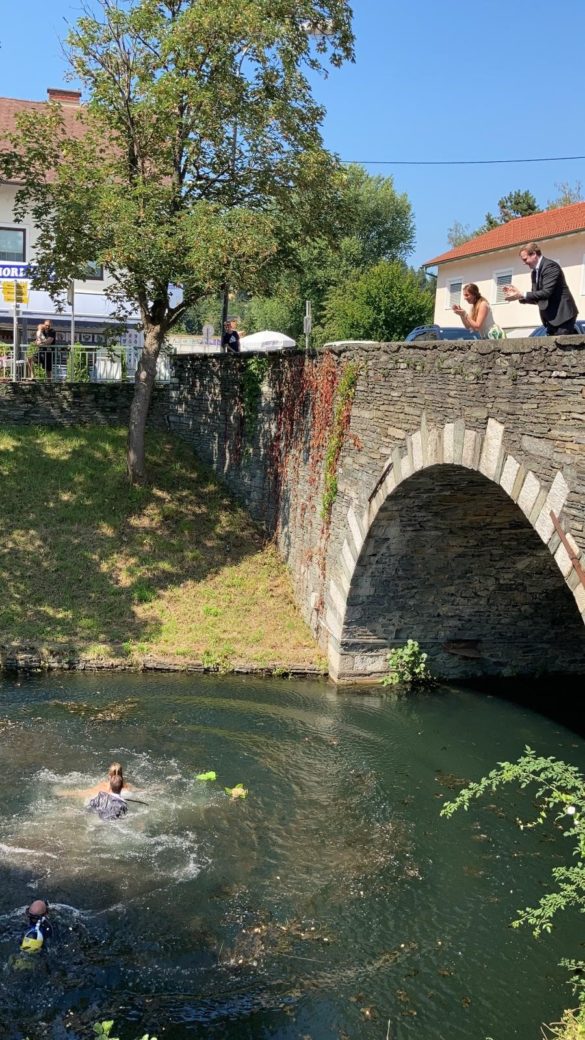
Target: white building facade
93,316
492,260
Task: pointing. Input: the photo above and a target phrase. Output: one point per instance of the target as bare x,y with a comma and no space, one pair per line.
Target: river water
333,903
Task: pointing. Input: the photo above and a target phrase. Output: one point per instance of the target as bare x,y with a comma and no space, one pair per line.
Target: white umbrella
266,340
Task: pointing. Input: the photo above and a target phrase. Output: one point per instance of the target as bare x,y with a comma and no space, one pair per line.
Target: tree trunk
143,384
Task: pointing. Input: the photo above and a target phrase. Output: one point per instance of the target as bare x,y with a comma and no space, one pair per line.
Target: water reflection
329,902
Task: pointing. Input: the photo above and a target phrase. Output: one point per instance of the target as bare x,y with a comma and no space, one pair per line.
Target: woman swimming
104,785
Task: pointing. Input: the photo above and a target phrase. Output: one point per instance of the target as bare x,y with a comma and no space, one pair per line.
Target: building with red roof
70,101
491,260
17,241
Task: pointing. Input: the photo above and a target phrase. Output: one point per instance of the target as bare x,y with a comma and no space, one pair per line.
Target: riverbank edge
19,658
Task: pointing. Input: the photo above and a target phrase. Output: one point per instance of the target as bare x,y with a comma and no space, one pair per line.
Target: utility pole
71,302
308,324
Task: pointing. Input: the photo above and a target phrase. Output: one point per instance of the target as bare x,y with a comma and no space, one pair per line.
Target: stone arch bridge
459,512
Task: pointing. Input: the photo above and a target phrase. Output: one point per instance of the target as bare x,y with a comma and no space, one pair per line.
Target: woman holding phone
480,318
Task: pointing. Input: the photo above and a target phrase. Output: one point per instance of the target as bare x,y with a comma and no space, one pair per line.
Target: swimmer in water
39,929
104,785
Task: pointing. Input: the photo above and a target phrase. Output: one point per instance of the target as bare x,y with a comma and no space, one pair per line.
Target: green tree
379,219
558,790
459,233
200,150
568,194
375,222
384,303
511,206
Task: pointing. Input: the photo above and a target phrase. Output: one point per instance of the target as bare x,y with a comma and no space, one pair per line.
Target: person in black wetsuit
39,930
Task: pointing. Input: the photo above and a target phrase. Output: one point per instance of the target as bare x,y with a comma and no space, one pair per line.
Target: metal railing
81,364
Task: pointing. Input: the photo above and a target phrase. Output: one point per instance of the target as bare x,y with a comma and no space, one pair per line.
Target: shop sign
15,292
14,270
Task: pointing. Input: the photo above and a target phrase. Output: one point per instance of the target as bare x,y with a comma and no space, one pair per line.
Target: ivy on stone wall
341,420
253,374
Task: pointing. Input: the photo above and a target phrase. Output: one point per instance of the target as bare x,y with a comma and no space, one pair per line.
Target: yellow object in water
239,791
32,942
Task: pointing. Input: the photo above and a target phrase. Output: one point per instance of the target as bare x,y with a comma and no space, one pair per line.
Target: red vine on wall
311,422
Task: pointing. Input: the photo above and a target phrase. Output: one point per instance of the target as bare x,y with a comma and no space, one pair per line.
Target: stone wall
71,404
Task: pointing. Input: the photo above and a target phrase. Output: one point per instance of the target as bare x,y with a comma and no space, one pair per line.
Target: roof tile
553,222
10,108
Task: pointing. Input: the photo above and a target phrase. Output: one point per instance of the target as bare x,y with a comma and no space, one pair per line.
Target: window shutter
501,281
455,293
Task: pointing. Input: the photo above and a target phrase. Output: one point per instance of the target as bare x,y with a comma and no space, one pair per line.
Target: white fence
81,365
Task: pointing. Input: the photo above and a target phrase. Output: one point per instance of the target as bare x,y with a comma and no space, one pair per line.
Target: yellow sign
15,292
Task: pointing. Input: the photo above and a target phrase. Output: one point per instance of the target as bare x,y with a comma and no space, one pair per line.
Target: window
94,272
501,279
454,293
12,245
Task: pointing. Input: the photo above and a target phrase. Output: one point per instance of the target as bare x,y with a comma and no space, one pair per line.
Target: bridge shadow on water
556,697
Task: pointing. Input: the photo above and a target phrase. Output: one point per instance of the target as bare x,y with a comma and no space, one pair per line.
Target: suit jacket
551,292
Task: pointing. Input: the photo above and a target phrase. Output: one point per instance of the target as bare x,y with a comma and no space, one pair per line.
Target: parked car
541,330
440,332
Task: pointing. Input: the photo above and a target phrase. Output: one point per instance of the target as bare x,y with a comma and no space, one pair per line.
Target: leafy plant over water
570,1027
407,665
560,800
104,1029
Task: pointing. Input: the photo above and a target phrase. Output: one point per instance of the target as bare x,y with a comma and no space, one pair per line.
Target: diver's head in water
116,784
39,908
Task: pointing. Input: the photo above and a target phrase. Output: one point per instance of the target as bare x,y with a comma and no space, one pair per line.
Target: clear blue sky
457,80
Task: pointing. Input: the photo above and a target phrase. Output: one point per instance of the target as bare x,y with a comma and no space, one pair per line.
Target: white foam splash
16,851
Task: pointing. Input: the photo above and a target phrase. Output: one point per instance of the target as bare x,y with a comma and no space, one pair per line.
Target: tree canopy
384,303
519,203
375,222
200,161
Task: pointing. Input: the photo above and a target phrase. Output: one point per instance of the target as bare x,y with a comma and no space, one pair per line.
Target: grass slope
175,570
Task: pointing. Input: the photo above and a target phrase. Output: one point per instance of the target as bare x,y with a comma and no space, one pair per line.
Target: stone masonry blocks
528,493
555,501
492,446
415,407
509,474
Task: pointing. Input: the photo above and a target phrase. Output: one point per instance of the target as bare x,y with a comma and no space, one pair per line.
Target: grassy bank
174,571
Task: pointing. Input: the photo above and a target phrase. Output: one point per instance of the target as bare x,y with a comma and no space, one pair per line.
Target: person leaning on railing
46,337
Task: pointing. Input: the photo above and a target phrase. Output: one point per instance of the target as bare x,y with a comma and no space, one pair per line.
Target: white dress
487,324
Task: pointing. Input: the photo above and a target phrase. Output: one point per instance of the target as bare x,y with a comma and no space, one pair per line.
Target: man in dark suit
550,291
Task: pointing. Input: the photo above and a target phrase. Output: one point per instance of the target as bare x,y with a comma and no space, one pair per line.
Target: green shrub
560,800
104,1029
407,665
77,369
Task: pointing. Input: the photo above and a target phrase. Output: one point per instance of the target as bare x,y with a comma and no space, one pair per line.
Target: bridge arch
463,548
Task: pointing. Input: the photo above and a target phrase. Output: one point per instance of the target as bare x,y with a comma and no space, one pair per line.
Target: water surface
329,903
